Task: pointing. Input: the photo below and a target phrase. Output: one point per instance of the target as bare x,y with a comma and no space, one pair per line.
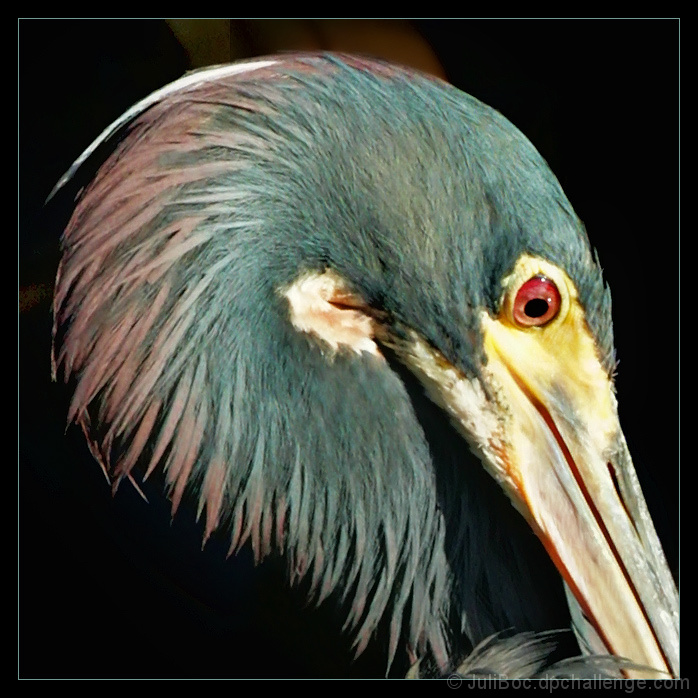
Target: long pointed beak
543,417
573,479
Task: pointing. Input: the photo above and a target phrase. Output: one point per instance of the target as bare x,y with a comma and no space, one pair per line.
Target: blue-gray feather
170,317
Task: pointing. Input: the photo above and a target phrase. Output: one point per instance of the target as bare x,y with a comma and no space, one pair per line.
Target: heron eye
537,302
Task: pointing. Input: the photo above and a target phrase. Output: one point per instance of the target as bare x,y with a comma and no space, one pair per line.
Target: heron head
307,290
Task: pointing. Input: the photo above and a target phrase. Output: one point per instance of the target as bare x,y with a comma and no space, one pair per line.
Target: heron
347,310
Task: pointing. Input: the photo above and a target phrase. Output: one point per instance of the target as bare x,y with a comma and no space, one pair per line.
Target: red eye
537,302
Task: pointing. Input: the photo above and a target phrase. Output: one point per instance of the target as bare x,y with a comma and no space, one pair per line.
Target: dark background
107,586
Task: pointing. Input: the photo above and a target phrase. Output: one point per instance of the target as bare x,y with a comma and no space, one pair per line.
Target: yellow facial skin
562,457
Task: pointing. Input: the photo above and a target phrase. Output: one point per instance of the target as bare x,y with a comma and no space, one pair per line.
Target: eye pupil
536,308
536,303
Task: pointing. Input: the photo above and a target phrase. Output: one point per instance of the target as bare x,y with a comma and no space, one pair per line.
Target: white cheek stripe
313,312
478,419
